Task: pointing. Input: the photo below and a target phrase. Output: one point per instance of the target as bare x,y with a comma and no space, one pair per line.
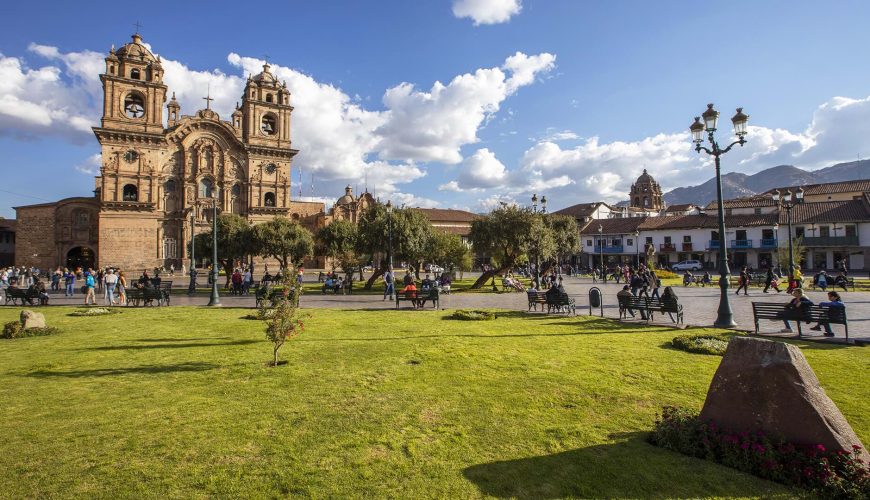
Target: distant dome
347,198
266,76
136,50
645,178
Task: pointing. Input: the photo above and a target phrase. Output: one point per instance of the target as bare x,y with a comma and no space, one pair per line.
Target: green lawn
177,402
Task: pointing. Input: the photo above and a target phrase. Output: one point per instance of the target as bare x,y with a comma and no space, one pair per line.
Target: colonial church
158,179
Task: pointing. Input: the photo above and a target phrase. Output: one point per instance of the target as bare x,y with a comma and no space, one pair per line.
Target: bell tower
266,111
133,89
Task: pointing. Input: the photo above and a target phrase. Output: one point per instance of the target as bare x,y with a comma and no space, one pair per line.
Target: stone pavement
699,304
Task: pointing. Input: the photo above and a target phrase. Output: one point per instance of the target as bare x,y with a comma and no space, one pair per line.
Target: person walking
122,288
90,298
111,283
69,280
743,282
389,284
770,281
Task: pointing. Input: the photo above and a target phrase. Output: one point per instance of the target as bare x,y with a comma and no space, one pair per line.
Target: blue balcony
741,243
768,243
613,249
713,245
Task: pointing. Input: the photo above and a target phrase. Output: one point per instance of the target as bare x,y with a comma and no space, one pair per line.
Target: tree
234,240
284,240
338,241
450,251
411,234
507,234
798,250
565,235
282,317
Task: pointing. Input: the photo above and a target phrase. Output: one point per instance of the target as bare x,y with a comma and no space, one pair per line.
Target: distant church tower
646,193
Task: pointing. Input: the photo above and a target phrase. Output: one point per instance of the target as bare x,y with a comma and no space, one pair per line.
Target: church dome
645,178
136,50
347,198
266,76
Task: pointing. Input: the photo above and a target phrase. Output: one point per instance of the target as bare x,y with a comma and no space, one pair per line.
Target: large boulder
30,319
769,386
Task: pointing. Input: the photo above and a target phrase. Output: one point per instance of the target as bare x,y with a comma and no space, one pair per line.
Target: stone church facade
158,179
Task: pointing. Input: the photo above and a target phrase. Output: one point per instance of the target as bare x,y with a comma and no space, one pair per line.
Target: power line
24,195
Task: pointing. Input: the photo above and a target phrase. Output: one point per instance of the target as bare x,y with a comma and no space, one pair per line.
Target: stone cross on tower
208,98
137,25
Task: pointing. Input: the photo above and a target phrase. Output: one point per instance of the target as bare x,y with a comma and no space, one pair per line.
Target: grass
178,402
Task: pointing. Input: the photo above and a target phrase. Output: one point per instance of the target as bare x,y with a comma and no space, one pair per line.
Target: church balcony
136,206
268,210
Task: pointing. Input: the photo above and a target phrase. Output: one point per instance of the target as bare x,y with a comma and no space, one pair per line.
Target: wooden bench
850,283
418,297
165,288
560,303
145,297
777,311
536,298
648,306
23,294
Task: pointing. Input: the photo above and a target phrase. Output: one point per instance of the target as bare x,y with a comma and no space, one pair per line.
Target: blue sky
567,98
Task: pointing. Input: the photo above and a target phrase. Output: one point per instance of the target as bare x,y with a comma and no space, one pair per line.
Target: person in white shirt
111,280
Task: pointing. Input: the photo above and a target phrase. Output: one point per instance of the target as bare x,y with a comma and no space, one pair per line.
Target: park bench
165,288
649,305
536,298
418,297
850,283
26,295
777,311
560,303
145,297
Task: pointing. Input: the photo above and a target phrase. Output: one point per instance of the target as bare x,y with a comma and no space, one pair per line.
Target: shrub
473,315
829,474
665,274
13,330
702,344
94,311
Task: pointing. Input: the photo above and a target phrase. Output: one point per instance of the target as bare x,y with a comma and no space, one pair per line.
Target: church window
131,156
295,216
268,97
170,248
268,125
134,74
645,202
269,199
206,188
112,69
169,186
637,201
252,93
130,193
81,218
134,105
237,190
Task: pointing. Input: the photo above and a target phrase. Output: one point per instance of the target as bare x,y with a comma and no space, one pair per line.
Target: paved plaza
700,304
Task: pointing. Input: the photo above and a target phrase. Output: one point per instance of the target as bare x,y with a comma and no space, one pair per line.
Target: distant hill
735,185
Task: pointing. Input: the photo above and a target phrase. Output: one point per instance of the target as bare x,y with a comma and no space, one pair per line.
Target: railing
667,247
612,249
713,244
768,243
741,243
687,247
831,241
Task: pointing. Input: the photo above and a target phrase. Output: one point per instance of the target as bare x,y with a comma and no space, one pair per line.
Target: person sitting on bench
798,303
834,301
625,292
410,291
841,281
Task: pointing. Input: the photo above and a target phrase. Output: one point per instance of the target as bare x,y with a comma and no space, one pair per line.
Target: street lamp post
601,252
725,317
191,288
788,201
215,299
389,235
637,248
537,259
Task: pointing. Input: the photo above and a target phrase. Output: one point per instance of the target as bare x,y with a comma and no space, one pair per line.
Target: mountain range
735,185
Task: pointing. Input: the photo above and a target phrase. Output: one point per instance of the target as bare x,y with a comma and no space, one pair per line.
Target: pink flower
820,447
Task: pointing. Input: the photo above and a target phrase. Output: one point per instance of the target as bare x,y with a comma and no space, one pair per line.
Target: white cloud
91,165
495,201
482,170
487,11
434,125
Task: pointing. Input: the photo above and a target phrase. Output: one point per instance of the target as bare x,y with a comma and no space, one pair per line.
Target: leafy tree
282,316
798,250
508,234
565,234
234,240
411,234
338,241
450,251
284,240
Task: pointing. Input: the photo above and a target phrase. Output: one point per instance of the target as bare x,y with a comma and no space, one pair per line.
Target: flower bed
13,330
473,315
828,473
94,311
702,344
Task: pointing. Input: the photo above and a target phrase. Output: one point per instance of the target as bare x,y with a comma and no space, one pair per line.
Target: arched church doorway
82,257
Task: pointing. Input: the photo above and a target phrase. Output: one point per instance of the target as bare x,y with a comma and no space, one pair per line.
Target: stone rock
30,319
769,386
